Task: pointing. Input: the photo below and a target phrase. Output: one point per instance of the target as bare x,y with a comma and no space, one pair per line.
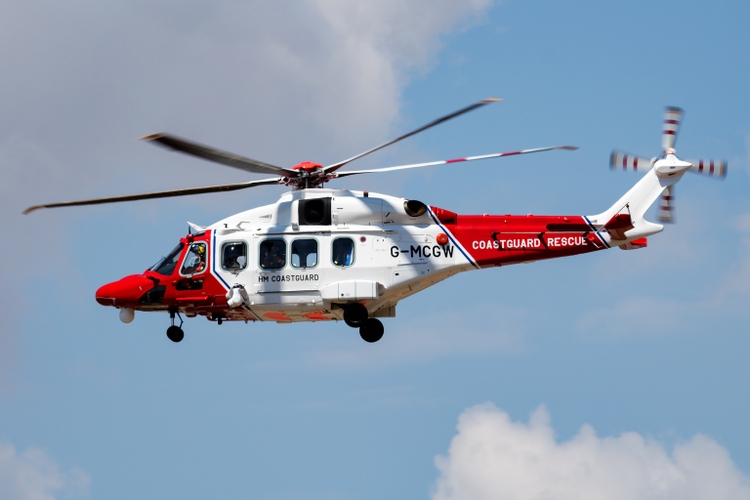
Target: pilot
197,258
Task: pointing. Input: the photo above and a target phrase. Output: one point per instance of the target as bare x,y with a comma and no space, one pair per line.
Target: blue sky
504,383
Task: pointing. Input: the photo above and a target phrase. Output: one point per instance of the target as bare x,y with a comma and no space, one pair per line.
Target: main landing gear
370,329
174,332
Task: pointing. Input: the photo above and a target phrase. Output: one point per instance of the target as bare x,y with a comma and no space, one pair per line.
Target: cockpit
167,265
195,261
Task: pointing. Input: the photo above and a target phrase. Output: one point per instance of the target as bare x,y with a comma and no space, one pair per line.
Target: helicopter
321,254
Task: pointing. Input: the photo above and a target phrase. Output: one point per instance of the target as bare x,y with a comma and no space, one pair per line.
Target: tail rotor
670,127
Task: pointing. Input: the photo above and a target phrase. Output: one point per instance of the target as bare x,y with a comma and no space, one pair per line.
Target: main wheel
372,330
175,333
355,314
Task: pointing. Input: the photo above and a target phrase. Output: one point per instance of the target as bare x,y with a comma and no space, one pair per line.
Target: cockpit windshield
167,264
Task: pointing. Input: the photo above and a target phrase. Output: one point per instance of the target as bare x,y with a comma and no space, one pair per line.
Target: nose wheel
174,332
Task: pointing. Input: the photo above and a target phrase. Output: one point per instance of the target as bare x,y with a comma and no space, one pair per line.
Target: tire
372,330
355,314
175,333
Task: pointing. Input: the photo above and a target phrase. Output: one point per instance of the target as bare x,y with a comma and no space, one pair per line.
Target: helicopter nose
124,292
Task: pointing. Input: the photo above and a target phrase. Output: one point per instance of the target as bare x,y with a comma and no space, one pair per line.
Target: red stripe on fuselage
495,240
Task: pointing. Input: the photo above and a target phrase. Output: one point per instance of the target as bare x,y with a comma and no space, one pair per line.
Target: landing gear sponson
370,329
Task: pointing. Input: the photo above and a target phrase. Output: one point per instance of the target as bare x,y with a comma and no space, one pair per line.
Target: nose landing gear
174,332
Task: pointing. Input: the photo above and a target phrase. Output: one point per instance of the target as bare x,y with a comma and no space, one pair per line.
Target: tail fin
634,203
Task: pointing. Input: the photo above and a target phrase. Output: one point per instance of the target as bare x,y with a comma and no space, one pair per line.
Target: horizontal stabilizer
635,244
618,225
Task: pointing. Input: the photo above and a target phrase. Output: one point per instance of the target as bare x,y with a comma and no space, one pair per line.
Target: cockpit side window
166,265
234,256
343,252
195,259
304,253
272,253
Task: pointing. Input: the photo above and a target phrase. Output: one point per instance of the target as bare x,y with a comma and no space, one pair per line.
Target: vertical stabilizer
637,200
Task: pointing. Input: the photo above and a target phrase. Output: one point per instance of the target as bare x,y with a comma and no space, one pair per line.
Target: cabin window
167,264
343,252
195,259
304,253
273,254
234,256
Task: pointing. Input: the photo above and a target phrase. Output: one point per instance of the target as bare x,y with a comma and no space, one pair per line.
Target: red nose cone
124,292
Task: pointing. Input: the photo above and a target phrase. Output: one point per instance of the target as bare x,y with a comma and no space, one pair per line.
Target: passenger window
272,254
304,253
343,252
234,256
195,259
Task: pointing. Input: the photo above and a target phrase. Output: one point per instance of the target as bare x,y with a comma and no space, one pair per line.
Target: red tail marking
618,225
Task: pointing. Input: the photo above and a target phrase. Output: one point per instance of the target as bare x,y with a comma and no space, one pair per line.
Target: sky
615,375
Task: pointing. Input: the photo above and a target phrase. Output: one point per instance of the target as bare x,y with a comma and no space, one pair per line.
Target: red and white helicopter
322,254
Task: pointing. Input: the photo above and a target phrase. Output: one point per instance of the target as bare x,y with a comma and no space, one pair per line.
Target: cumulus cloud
281,82
493,457
738,282
654,314
423,339
33,475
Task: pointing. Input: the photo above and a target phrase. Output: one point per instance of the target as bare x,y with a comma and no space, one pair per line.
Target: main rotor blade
456,160
336,166
159,194
672,119
218,156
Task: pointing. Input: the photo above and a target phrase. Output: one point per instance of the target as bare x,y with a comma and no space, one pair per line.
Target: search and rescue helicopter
322,254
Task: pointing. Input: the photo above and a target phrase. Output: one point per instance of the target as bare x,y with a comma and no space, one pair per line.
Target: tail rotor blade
672,119
666,205
712,168
624,161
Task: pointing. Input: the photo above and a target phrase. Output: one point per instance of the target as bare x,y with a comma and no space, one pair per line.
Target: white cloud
424,339
281,82
648,313
495,458
737,283
32,475
636,316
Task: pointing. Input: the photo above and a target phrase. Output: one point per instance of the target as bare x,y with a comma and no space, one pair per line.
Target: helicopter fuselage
315,251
